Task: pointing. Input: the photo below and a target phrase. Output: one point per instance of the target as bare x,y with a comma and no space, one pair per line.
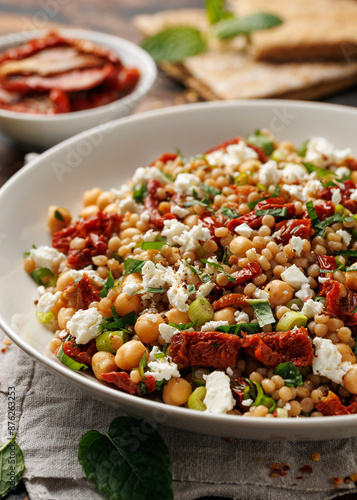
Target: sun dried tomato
293,227
346,190
146,385
165,158
122,380
94,245
245,274
273,348
231,299
211,349
331,405
212,222
237,387
151,203
82,353
81,294
324,209
253,221
327,262
351,163
342,307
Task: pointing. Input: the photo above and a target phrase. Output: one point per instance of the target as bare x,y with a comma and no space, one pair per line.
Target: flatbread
223,72
311,29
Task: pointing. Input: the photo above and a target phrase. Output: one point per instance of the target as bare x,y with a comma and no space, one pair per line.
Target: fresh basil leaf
130,462
175,44
262,141
321,226
216,11
253,204
312,212
69,362
221,268
246,25
322,172
133,265
248,328
139,193
38,274
276,191
182,327
275,212
302,149
182,156
150,289
212,191
289,373
191,289
204,203
108,284
12,465
117,322
351,253
228,212
152,245
58,215
262,311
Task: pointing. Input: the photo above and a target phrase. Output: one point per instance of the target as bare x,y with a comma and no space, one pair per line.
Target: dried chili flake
316,456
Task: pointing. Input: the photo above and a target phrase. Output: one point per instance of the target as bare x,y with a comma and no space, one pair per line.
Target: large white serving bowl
44,131
105,156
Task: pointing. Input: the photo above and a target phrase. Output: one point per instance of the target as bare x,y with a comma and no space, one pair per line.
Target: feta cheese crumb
310,308
128,204
186,183
247,402
150,235
47,301
205,289
163,369
269,173
167,332
321,152
294,277
342,172
297,243
218,397
45,256
293,172
336,196
173,229
328,361
244,230
260,294
144,174
211,326
154,350
190,239
178,296
235,154
84,325
131,287
179,211
345,235
353,195
305,292
241,317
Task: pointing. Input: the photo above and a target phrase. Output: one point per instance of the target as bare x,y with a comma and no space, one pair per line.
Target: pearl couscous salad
225,282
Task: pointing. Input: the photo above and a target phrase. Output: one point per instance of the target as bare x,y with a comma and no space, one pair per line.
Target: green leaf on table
130,462
262,141
245,25
289,373
12,465
216,11
175,44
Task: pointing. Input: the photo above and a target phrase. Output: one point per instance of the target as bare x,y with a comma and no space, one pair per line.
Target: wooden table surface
109,16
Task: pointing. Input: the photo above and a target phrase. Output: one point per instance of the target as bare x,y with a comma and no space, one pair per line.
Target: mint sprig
234,26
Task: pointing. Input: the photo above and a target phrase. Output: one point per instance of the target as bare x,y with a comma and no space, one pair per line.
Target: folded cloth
52,416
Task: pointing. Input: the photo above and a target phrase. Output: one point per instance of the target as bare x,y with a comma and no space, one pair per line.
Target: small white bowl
44,131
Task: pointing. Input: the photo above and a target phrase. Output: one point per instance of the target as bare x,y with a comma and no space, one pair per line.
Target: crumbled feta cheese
173,230
292,173
167,332
190,239
163,369
178,296
123,190
229,371
47,301
145,216
211,326
294,190
241,317
297,243
353,195
179,211
218,397
321,153
244,230
154,350
186,183
93,275
342,172
294,277
294,307
269,173
150,235
322,279
310,308
153,277
345,235
144,174
247,402
63,334
235,154
328,361
128,204
260,294
131,287
336,196
45,256
205,289
41,290
287,406
305,292
311,187
84,325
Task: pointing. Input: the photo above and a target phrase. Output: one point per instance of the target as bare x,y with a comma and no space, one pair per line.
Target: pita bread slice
311,30
225,73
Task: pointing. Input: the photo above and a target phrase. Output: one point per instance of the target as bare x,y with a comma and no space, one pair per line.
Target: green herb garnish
153,245
262,311
229,212
38,274
302,149
133,266
289,373
181,326
221,268
116,322
58,215
139,193
212,191
109,283
248,328
234,26
216,11
275,212
321,172
262,141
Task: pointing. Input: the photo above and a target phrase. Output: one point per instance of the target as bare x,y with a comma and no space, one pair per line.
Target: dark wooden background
109,16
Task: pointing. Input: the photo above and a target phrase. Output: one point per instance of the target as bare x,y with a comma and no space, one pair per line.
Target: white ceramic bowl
105,157
44,131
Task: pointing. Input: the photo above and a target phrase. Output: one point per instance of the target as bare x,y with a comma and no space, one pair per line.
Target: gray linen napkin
52,416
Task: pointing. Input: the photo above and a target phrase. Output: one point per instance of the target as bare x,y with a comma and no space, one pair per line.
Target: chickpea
90,196
63,281
350,380
89,211
64,315
225,314
351,281
104,199
147,327
103,362
177,392
279,292
54,344
124,304
346,353
176,316
240,245
29,264
58,218
128,356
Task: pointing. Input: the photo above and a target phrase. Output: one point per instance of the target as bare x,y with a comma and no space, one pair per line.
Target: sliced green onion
291,319
277,155
69,362
39,274
298,302
340,209
281,413
289,373
200,310
108,341
44,317
195,401
197,375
